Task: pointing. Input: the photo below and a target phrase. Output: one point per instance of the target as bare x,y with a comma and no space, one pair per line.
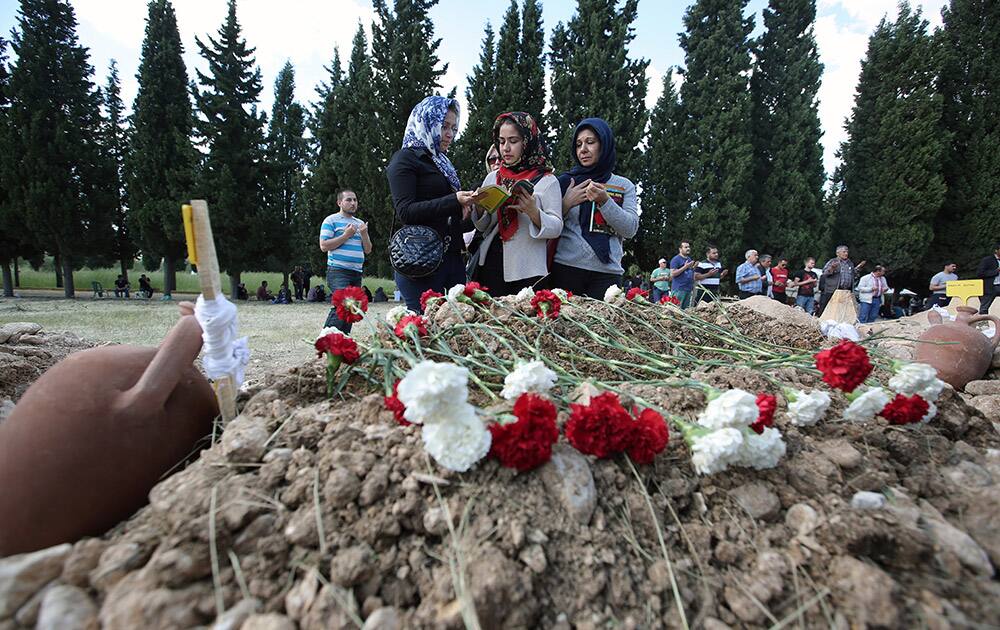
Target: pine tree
717,123
470,147
161,160
969,221
55,127
286,155
232,131
115,143
664,180
892,159
786,208
592,75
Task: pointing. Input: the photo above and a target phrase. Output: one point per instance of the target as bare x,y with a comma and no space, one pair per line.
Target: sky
306,32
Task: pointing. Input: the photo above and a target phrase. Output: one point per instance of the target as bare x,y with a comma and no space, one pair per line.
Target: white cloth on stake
224,352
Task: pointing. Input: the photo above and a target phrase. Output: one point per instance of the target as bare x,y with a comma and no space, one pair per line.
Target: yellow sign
189,234
964,289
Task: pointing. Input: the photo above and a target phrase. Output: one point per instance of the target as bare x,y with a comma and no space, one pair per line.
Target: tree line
730,155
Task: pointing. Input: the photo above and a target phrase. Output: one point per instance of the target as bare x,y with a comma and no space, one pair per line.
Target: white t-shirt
706,266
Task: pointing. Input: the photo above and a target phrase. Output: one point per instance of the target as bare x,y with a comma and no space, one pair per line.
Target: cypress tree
232,131
532,61
115,142
969,221
892,180
592,75
55,126
286,154
509,90
161,161
717,123
664,180
786,209
470,148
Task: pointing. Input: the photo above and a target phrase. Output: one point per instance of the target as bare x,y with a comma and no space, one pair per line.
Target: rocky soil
25,352
317,514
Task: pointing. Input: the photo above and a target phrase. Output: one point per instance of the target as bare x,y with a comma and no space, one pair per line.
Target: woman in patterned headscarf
426,191
512,255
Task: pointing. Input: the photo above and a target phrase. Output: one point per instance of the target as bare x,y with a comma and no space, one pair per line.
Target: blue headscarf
599,172
423,130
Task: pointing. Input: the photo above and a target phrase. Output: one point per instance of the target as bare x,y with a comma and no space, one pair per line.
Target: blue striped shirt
350,255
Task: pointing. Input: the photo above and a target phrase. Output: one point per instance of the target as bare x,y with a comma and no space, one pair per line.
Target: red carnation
546,304
649,437
396,406
905,409
844,366
427,296
351,303
767,404
601,428
527,443
476,292
637,295
669,299
338,345
416,323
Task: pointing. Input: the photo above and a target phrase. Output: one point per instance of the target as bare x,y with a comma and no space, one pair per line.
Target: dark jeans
450,273
779,297
337,278
581,281
990,293
490,274
298,291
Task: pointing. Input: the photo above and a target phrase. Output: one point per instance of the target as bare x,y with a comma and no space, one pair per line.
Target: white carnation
528,377
397,313
917,378
561,294
715,451
761,451
460,442
456,291
931,413
808,408
329,330
867,405
432,390
614,294
734,408
524,294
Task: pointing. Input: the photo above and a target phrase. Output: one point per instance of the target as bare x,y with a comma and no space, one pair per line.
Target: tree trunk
17,274
124,264
234,285
57,263
8,280
67,274
169,275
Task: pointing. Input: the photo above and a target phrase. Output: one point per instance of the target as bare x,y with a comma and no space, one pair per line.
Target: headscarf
534,162
600,171
423,130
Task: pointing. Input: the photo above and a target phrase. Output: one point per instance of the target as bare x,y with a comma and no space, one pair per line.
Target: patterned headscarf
423,130
533,162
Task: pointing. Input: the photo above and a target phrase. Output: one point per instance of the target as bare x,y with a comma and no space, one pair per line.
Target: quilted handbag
416,251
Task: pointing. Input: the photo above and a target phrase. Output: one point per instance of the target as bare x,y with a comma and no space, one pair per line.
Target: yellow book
492,197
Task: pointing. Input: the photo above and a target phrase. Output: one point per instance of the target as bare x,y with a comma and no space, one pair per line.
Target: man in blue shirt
345,240
748,276
682,275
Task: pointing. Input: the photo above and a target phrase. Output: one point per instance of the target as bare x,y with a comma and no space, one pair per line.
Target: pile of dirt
26,351
316,514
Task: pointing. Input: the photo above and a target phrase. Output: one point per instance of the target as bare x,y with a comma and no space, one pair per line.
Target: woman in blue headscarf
426,191
600,210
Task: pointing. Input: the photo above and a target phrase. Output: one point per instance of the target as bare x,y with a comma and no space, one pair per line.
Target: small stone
244,440
968,475
435,522
352,566
757,498
534,557
865,500
659,576
234,618
568,479
270,621
301,596
12,331
385,618
841,453
301,528
517,534
23,575
375,485
802,518
866,595
981,388
742,605
83,559
988,405
959,543
276,454
342,487
67,607
27,615
116,562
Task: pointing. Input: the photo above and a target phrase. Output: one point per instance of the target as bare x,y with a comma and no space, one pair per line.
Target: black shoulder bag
416,251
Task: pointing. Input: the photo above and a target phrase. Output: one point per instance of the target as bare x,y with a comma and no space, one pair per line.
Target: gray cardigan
524,254
574,251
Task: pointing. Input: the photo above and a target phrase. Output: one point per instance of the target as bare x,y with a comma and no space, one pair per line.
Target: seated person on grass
263,294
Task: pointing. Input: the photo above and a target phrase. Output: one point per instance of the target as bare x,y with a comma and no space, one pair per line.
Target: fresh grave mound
26,351
316,514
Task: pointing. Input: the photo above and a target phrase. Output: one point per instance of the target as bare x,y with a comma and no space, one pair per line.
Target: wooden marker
964,289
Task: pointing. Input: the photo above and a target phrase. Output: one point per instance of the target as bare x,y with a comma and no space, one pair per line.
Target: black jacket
421,195
988,269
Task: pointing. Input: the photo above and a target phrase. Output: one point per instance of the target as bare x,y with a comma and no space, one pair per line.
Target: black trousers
581,281
991,292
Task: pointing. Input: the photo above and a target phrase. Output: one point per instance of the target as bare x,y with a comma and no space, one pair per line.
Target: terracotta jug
960,352
91,437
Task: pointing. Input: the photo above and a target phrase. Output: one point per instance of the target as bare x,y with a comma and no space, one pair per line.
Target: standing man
838,273
939,285
682,274
298,280
748,276
989,271
780,277
344,238
766,282
871,288
805,280
661,280
707,275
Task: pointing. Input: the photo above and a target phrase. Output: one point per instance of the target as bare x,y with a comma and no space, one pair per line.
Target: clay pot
966,352
91,437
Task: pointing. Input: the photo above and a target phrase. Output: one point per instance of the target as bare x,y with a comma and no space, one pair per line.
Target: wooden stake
841,308
211,286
